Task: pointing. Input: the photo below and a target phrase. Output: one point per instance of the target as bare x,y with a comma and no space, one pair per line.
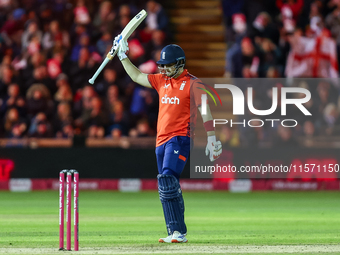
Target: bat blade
133,24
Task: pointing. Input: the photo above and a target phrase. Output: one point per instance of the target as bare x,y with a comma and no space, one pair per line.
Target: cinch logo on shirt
170,100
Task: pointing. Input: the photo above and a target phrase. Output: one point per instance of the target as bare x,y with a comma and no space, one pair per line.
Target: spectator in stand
55,34
63,94
302,63
45,14
83,102
33,62
13,99
62,80
273,72
156,20
63,120
6,6
122,21
76,33
60,7
138,103
239,26
67,131
142,129
32,16
150,66
6,61
123,17
81,13
331,122
39,100
284,138
93,120
82,70
271,55
323,98
12,120
109,78
18,131
325,95
6,78
116,132
95,131
112,96
13,28
40,116
230,8
316,9
265,28
54,65
247,55
32,30
157,42
84,42
104,18
290,9
308,129
104,44
34,45
58,64
44,130
40,75
118,116
125,10
136,51
252,8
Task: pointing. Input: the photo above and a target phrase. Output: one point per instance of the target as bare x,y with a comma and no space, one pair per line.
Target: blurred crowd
50,48
282,38
323,106
48,51
285,39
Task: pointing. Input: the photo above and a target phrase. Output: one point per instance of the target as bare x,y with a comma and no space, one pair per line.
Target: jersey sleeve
196,91
155,80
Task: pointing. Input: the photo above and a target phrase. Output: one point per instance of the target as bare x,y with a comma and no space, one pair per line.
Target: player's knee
168,187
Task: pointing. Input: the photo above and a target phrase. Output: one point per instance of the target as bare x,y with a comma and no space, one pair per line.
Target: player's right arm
135,74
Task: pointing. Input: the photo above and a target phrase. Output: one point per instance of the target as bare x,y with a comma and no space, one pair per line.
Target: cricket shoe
177,237
166,239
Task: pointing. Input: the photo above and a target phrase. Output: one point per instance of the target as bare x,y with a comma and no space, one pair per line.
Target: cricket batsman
176,117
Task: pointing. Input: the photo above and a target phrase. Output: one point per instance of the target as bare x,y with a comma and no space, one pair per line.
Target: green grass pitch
135,220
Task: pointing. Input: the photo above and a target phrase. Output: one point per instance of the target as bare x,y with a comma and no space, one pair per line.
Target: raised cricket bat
127,31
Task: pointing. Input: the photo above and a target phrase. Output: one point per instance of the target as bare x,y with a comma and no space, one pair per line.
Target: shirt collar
185,72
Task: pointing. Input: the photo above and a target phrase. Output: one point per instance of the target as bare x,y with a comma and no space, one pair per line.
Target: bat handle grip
94,77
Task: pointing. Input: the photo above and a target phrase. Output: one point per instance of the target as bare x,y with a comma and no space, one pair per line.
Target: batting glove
214,148
122,46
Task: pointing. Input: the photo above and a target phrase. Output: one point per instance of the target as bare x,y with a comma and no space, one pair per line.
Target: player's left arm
213,148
